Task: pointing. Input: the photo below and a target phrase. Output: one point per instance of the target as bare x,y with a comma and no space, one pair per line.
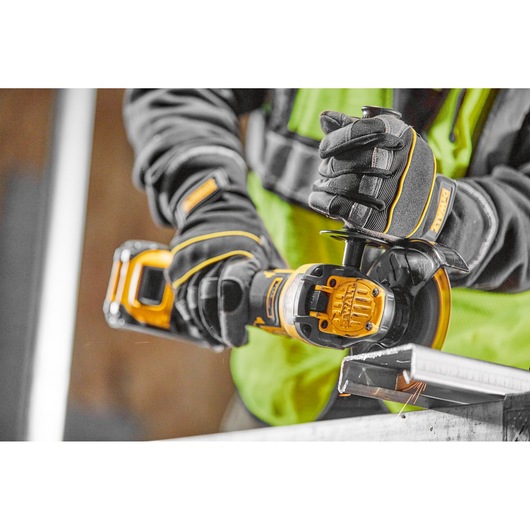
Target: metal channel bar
432,366
70,165
450,378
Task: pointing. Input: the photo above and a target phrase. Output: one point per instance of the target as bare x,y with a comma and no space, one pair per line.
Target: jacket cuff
220,167
470,230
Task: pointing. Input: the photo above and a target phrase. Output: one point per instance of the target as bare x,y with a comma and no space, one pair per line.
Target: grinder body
322,304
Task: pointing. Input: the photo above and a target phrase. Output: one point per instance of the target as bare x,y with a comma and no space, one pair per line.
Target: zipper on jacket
459,102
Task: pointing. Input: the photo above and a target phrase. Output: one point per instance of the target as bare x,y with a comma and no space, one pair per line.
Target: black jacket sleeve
490,223
178,134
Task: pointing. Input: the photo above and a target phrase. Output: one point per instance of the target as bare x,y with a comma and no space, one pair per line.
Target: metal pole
70,169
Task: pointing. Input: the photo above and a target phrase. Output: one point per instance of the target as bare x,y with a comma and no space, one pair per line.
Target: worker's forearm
178,133
490,227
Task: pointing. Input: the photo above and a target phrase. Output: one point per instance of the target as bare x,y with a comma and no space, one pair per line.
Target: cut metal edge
424,364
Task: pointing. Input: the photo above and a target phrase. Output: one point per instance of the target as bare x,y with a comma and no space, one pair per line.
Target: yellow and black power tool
388,291
403,297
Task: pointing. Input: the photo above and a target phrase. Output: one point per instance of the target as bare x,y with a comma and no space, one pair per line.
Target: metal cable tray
429,378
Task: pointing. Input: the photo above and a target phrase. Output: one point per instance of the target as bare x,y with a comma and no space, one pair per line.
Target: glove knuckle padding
376,173
332,120
211,275
195,254
196,274
218,226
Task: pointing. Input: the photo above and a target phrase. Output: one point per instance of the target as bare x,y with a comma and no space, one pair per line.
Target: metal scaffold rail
69,175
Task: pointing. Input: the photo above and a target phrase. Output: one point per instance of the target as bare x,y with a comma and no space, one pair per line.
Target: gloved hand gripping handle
334,306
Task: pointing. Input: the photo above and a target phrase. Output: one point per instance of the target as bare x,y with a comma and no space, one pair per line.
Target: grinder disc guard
431,313
422,292
428,313
416,272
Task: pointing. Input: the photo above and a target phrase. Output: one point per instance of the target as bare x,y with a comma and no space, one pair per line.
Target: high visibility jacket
480,137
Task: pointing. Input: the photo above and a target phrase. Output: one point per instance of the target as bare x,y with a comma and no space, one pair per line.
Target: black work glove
378,173
221,244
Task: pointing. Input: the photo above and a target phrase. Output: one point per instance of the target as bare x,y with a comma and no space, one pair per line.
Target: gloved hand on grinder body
221,244
378,173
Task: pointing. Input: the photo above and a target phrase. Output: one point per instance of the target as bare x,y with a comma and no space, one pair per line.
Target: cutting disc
422,293
430,313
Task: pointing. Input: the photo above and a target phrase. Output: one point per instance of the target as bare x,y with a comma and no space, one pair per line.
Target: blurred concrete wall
124,385
25,125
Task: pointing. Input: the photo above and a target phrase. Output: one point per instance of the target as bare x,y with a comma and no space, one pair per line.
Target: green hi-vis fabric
284,381
310,102
453,157
490,326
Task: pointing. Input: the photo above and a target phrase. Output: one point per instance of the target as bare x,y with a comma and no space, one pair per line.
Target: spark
418,387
